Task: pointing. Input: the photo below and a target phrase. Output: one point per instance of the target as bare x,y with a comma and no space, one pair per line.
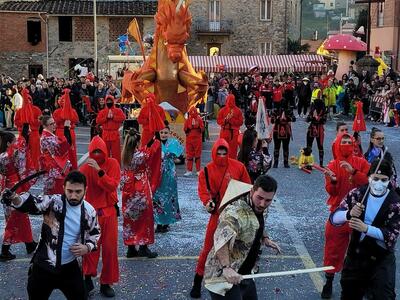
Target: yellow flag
134,31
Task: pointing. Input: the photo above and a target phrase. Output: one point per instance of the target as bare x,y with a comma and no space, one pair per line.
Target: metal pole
47,47
301,19
369,28
95,37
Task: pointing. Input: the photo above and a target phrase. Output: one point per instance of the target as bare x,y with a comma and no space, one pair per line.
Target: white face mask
378,187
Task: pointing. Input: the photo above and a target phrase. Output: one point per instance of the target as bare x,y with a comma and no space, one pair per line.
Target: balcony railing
214,27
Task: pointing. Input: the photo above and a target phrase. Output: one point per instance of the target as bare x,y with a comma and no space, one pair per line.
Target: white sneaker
188,173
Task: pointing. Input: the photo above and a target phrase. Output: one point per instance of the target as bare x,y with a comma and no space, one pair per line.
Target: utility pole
96,65
369,28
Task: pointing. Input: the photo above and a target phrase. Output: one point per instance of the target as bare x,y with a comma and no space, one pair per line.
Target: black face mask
109,105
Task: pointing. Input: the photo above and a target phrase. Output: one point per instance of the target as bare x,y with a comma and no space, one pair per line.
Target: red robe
14,167
137,203
193,127
219,177
337,237
230,118
110,128
54,159
30,114
144,120
59,119
101,193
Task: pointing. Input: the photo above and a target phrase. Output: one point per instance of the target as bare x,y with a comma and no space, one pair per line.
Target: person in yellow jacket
329,95
316,92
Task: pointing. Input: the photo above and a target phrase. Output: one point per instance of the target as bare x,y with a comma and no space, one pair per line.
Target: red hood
230,101
26,110
219,143
336,145
109,97
193,112
98,143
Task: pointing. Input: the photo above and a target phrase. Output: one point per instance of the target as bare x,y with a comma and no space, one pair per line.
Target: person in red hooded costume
66,119
230,118
213,182
27,122
194,128
103,176
344,173
14,166
110,119
146,118
137,186
54,158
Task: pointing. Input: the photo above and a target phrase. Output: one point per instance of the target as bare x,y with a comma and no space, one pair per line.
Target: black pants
41,282
246,290
366,276
302,105
277,148
320,145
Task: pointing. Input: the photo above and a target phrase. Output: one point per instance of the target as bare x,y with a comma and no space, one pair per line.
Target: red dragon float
167,71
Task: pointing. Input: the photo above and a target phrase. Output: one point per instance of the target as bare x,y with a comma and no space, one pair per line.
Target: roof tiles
82,7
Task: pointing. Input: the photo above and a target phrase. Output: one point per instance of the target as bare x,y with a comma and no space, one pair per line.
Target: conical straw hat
235,189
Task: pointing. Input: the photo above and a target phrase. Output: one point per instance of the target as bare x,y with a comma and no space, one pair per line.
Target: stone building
60,33
243,27
63,30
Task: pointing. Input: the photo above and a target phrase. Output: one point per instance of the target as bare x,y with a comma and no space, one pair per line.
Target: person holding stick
343,174
373,213
238,239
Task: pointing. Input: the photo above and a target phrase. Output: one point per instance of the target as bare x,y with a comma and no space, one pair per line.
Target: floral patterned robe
166,205
137,203
54,160
15,165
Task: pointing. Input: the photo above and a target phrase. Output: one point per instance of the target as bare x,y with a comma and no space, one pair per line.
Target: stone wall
84,29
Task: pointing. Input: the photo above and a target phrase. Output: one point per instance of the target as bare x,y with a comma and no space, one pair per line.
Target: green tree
294,47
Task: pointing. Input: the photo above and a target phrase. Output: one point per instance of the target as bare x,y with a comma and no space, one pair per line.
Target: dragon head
173,26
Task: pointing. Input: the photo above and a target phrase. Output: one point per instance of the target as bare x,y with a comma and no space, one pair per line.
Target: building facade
58,34
243,27
385,30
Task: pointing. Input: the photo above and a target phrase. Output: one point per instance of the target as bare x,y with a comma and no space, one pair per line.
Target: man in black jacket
370,264
70,230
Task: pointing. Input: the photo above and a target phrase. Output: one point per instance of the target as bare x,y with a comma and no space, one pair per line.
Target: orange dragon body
167,71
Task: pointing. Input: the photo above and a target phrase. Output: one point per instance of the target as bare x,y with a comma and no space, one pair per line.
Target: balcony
222,28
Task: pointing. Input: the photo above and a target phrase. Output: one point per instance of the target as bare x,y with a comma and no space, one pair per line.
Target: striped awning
266,63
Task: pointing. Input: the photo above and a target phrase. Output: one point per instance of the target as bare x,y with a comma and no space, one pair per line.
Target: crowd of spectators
380,94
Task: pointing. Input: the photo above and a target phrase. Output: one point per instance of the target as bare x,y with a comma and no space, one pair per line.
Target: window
266,48
65,29
35,70
265,10
214,15
34,31
381,11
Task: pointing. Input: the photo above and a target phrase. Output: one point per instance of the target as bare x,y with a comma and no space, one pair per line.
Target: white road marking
299,245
